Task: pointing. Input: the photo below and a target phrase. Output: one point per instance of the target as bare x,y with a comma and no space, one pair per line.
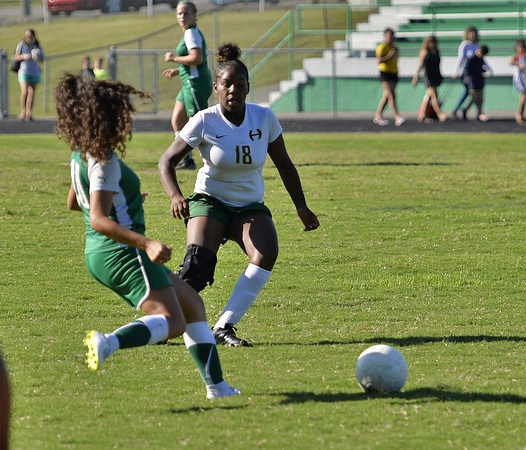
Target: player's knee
198,267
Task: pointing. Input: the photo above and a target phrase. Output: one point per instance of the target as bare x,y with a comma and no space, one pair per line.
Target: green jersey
193,38
115,176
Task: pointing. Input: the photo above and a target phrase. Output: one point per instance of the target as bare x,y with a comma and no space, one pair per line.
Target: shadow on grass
419,340
379,163
422,395
200,409
395,342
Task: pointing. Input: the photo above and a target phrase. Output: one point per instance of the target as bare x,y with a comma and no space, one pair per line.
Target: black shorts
388,76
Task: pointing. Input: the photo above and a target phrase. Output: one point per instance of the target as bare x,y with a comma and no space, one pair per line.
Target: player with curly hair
94,117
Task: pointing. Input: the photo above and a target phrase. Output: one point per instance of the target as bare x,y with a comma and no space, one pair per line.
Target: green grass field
421,246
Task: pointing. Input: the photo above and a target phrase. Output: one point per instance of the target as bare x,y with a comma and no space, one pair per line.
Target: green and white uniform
127,271
233,156
196,80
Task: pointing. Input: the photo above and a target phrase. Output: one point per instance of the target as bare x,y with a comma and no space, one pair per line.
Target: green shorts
129,273
204,205
194,96
31,79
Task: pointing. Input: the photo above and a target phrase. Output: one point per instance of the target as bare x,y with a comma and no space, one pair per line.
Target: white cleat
98,349
221,390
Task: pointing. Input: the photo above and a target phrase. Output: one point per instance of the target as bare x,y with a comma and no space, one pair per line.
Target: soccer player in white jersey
94,117
234,139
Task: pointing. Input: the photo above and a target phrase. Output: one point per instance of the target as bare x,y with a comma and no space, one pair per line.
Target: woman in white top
234,139
466,50
30,54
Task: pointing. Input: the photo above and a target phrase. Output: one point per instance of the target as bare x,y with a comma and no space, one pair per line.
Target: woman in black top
429,66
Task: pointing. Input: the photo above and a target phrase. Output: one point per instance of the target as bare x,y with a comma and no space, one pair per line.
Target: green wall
363,94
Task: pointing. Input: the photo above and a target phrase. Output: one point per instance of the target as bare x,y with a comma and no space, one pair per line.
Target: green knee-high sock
133,334
147,330
201,345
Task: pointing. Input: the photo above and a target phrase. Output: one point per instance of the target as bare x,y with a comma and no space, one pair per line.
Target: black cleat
227,336
186,165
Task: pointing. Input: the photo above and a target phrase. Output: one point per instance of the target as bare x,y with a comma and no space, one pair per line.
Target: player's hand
144,195
309,219
180,209
158,252
169,73
168,56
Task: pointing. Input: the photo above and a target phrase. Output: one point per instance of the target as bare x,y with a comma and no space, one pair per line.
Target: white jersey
233,156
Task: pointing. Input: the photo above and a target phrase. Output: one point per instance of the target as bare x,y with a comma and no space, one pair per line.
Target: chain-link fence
290,79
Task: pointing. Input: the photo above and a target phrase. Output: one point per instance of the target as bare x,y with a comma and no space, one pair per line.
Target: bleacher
500,24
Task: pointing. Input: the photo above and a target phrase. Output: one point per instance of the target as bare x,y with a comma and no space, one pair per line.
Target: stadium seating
500,24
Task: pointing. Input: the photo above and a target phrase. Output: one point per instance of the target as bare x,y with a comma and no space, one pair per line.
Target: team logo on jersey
255,134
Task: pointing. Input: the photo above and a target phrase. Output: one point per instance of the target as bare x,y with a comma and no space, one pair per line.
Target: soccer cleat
186,165
227,336
221,390
98,349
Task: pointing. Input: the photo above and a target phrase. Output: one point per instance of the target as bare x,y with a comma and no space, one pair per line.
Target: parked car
56,7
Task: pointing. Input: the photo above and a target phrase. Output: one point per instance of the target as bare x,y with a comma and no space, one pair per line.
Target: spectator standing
30,54
429,66
387,57
519,77
87,71
98,70
190,56
466,50
475,70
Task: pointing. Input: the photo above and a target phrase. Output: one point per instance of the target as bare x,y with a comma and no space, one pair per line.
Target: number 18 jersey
233,156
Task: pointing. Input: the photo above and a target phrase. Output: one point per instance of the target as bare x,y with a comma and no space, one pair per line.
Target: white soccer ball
381,368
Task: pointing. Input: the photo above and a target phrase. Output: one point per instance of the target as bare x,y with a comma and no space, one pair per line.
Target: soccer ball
381,368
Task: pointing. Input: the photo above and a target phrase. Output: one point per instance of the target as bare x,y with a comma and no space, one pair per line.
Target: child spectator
100,73
476,67
87,71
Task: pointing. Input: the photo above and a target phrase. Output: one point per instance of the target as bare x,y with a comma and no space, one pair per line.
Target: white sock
247,288
198,333
158,326
113,342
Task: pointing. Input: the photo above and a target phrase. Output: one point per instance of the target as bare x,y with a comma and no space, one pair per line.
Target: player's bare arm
173,155
291,180
100,208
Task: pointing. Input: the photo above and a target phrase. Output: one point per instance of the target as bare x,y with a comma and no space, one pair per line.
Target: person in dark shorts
234,139
476,70
429,68
387,57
